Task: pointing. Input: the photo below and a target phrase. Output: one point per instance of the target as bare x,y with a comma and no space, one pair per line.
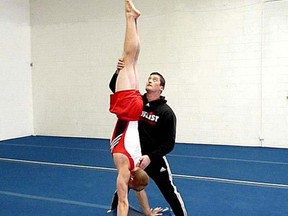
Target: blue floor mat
132,212
66,176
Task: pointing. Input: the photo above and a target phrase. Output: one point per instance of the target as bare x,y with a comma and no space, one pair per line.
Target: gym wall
16,114
225,63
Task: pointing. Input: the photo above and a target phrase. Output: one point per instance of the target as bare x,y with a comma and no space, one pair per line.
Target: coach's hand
144,161
120,64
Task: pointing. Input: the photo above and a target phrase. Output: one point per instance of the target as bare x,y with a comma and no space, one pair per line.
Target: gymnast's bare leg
127,80
128,77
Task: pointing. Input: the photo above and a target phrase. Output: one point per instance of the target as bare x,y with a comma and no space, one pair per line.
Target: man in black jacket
157,131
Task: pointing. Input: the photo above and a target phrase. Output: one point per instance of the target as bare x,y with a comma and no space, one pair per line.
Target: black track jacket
157,128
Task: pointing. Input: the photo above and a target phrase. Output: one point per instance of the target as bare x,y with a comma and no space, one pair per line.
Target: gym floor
48,176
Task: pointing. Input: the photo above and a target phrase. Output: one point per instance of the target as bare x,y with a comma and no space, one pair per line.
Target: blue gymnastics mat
132,212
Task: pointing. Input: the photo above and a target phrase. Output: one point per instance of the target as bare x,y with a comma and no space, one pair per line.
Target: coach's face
153,84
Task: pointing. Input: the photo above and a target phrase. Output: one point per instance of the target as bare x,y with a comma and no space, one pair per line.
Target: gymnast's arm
143,201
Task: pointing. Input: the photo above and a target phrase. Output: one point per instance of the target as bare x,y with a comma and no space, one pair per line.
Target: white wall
75,46
219,59
275,74
16,116
216,71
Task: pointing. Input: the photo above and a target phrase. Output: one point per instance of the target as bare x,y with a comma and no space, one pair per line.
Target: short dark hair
162,79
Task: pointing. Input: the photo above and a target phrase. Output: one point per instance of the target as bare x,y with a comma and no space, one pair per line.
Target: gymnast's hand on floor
156,211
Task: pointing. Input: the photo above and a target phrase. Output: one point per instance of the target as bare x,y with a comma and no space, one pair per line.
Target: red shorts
127,104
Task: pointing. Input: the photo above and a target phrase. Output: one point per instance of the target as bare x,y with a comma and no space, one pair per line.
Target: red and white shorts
125,140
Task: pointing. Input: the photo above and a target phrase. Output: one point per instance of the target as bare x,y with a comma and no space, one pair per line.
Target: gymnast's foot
131,10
